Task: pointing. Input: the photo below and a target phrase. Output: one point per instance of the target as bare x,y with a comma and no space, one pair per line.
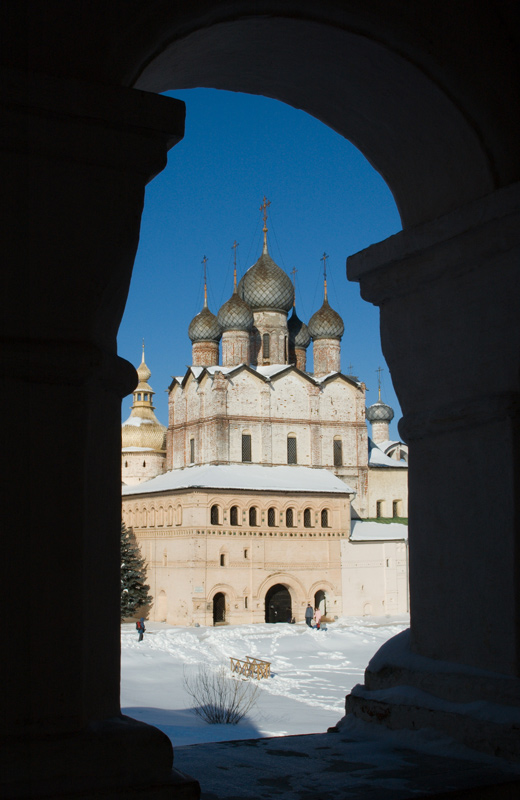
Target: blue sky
325,197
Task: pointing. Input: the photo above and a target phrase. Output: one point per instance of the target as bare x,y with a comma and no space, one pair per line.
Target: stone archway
320,601
219,608
278,604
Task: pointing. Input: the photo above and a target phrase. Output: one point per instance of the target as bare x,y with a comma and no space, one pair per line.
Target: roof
362,531
266,373
376,458
249,477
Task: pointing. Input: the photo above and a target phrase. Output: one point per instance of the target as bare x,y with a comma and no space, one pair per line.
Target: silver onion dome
326,323
299,335
379,412
204,327
235,315
266,286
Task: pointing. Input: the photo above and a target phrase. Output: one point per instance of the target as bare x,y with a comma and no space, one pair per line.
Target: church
264,492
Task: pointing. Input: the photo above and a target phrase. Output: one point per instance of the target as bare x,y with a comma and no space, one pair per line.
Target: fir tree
134,591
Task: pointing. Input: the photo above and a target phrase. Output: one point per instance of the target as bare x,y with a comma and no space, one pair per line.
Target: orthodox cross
205,261
234,247
379,370
324,259
265,205
350,368
293,273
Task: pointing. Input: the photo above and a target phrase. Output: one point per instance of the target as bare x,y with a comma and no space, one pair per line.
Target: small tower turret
204,332
380,416
326,329
236,321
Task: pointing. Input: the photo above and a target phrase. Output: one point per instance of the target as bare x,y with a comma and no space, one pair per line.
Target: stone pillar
449,295
75,159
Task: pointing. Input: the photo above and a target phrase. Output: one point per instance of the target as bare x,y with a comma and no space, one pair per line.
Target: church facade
243,506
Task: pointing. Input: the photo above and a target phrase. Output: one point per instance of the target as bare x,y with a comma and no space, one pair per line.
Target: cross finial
205,261
234,247
265,205
379,370
350,368
142,358
293,273
324,259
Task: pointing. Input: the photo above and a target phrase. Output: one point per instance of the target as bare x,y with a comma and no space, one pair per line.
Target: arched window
192,451
325,518
307,518
144,463
222,559
152,517
289,517
271,517
253,516
178,516
144,518
233,515
246,447
265,345
338,453
292,456
214,515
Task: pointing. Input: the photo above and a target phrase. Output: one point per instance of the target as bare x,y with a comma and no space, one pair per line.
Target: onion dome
142,430
326,323
299,335
379,412
265,286
204,327
235,315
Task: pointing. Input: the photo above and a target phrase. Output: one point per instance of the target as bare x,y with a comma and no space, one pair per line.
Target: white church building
265,492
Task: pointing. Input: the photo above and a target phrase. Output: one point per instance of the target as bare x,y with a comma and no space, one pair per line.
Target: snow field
311,672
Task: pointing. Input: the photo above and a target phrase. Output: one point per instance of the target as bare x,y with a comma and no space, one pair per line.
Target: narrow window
289,518
285,349
271,517
245,602
265,345
222,560
233,515
192,451
144,463
126,463
338,453
246,552
395,508
307,518
214,515
246,447
292,457
325,518
252,516
379,509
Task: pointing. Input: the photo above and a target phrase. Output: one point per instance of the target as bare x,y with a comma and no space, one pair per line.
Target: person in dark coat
309,613
141,629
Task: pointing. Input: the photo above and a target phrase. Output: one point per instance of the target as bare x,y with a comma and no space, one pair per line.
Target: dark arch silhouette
278,605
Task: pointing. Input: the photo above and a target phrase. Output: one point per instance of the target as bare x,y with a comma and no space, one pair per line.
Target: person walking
317,617
140,628
308,615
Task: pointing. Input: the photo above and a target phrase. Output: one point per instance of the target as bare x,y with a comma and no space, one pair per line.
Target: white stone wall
141,465
386,485
374,578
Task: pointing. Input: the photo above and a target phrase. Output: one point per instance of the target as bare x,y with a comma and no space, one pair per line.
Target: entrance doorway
219,608
320,601
278,607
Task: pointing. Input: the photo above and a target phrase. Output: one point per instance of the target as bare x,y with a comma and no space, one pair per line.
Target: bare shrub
218,697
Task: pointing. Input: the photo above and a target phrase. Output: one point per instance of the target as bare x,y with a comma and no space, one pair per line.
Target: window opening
192,451
395,508
214,515
307,518
253,516
271,518
222,560
338,453
292,457
379,509
246,447
265,345
325,518
289,518
233,515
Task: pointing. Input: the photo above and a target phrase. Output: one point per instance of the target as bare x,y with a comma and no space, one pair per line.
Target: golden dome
142,430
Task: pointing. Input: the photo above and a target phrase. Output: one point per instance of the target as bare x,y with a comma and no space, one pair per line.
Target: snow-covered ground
311,672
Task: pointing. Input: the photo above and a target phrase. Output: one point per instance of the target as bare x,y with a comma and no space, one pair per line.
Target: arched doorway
219,609
320,601
278,605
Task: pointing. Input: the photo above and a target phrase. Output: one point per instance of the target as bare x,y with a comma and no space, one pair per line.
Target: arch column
449,297
75,161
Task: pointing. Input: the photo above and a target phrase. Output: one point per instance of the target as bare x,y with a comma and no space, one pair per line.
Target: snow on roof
376,458
138,421
137,449
271,369
251,477
362,531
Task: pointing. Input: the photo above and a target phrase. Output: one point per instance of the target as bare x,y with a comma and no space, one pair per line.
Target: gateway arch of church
80,141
